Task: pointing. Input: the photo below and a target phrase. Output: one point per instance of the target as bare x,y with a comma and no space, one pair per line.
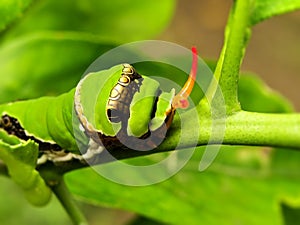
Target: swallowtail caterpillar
114,107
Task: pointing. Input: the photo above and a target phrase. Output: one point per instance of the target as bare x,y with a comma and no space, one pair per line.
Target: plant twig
242,128
64,196
227,71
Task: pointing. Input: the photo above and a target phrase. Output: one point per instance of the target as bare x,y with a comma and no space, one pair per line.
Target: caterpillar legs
93,150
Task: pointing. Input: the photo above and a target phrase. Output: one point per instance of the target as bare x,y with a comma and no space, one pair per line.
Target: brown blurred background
273,51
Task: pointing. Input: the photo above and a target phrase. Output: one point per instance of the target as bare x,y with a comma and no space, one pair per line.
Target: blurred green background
273,53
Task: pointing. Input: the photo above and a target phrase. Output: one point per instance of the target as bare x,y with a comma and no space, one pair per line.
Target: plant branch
64,196
275,130
227,71
241,128
245,128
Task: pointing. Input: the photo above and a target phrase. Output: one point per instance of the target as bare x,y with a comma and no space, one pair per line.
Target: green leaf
20,158
46,63
286,165
265,9
243,185
256,96
118,20
10,10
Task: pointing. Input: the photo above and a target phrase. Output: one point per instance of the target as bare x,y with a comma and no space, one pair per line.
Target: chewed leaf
20,158
265,9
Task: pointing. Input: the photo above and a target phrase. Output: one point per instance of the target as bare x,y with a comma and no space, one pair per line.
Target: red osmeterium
181,99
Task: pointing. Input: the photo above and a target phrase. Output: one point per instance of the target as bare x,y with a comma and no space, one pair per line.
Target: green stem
227,71
250,128
62,193
242,128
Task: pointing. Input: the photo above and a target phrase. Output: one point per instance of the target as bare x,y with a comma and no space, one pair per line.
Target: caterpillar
113,107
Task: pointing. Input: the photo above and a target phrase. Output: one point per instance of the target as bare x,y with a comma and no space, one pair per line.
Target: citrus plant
46,47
